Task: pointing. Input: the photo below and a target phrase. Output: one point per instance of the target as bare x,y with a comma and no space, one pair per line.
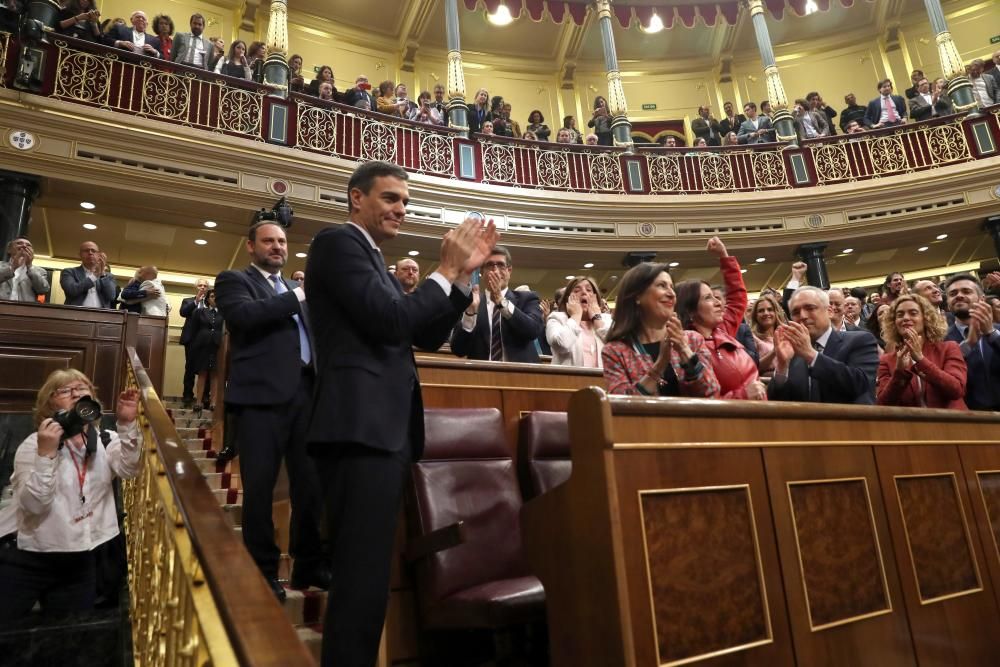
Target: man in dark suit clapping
269,393
136,40
814,363
188,308
368,424
979,339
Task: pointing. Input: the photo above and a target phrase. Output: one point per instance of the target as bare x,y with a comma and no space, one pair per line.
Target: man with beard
979,339
408,274
192,48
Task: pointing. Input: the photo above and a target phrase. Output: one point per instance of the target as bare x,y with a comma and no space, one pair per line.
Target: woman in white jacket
576,329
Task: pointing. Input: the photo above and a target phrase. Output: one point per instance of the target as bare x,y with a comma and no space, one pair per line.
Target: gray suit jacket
76,284
182,50
747,128
36,284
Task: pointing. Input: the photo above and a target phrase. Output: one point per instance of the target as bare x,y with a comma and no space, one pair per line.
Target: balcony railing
120,81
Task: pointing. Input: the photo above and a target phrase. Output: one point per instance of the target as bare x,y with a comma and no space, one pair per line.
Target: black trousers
189,376
61,582
264,435
362,487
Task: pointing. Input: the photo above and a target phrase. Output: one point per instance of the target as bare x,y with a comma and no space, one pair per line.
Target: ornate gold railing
4,46
196,596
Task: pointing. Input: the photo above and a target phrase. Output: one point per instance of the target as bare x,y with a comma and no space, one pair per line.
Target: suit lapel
374,255
833,344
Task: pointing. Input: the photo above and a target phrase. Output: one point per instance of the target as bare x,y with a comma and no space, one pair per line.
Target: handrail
95,75
196,595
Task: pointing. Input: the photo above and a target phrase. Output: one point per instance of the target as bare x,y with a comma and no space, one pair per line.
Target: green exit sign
995,39
652,107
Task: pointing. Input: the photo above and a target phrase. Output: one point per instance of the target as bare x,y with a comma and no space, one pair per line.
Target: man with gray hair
815,363
19,280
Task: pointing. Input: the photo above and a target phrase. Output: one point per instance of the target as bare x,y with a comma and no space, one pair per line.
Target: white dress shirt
47,494
91,300
506,312
20,276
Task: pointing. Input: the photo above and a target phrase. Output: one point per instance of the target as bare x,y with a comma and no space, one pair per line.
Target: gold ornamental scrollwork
165,95
498,163
317,128
436,153
4,45
716,174
831,162
553,169
240,111
888,154
769,169
82,77
946,143
665,173
378,141
606,172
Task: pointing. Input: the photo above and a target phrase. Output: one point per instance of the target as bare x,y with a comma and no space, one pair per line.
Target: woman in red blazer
923,370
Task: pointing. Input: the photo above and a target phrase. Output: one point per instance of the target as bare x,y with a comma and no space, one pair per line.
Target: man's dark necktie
496,343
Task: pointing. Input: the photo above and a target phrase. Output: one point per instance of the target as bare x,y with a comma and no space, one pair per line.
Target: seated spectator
564,136
296,82
79,19
236,64
854,127
853,113
163,27
670,142
699,309
425,111
504,325
326,91
887,109
529,136
360,95
256,55
978,338
536,124
825,114
505,110
706,127
479,110
135,39
19,279
754,129
648,351
91,285
765,317
591,140
206,336
325,75
487,128
218,52
731,140
569,123
923,370
578,326
63,502
193,48
814,363
944,105
701,142
600,120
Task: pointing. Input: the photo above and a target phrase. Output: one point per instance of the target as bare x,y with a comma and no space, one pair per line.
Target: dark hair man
979,339
192,48
188,307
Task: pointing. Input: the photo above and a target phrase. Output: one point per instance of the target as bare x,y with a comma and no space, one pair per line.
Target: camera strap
81,470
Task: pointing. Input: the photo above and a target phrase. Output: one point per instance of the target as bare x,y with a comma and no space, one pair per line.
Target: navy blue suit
123,33
268,395
982,388
844,372
874,110
75,284
518,332
368,424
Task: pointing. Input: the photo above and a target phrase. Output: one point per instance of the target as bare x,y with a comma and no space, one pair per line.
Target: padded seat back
543,459
466,474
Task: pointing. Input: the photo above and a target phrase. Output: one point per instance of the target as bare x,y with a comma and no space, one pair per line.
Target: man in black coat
188,308
368,413
816,364
515,316
135,39
979,339
269,394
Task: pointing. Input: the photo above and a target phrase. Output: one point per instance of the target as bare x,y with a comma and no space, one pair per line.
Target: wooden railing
94,75
197,597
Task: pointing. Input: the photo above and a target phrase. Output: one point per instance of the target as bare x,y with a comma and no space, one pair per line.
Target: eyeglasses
63,392
488,266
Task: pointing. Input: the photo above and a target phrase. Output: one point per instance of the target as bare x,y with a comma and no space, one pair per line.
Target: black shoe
187,402
227,454
277,589
306,576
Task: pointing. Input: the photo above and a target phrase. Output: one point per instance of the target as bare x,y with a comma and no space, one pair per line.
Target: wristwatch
690,366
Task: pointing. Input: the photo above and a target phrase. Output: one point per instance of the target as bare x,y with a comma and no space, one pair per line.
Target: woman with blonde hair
922,370
578,326
63,501
765,316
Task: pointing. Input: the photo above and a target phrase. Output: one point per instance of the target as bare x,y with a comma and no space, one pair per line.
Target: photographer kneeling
63,500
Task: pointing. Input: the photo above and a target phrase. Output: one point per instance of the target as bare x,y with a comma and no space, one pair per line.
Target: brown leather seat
543,460
464,518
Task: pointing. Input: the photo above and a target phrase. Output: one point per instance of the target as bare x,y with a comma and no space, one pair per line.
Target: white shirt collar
825,338
365,233
267,275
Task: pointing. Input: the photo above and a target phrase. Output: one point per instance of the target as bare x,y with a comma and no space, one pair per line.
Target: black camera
281,213
84,411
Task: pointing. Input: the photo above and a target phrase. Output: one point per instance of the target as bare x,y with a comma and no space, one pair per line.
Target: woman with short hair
536,124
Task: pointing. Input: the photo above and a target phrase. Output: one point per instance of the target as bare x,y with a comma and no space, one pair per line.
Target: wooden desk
724,532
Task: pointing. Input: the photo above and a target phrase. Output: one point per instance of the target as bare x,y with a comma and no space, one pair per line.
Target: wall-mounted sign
649,107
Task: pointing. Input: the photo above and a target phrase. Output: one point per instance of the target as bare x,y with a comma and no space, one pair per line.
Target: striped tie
496,343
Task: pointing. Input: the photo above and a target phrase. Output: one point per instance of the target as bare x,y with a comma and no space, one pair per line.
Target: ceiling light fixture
200,242
87,205
501,16
570,277
89,225
210,224
942,237
760,260
413,253
673,264
811,7
848,251
743,270
655,24
588,265
922,248
301,255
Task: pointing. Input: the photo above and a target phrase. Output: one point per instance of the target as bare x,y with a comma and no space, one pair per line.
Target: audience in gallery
479,110
193,48
325,75
577,328
235,64
921,369
296,82
733,121
163,28
601,122
136,40
79,19
256,54
537,126
569,124
591,140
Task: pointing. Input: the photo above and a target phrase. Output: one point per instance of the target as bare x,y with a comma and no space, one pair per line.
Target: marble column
276,65
812,255
17,193
782,119
458,111
621,127
952,67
